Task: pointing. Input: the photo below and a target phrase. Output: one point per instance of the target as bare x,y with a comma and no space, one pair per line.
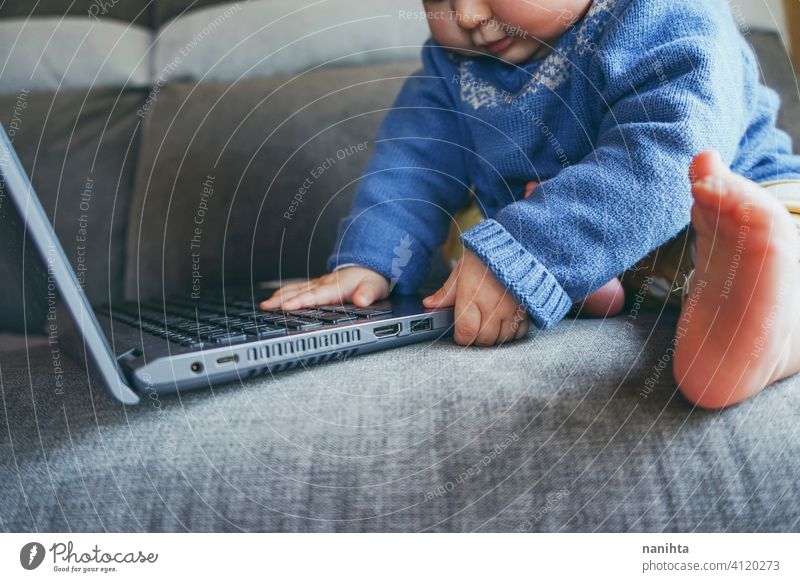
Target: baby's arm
414,183
631,194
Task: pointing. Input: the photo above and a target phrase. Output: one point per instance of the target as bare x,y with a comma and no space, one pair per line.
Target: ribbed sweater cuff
529,281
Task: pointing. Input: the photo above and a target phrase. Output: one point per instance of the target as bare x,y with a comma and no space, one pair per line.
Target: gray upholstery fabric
60,54
166,10
777,72
555,433
261,141
90,45
137,11
264,38
68,142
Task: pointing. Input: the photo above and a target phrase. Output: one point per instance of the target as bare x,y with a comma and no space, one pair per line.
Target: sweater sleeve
664,102
415,181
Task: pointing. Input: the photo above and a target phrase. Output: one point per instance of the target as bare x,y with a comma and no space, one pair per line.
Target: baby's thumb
444,297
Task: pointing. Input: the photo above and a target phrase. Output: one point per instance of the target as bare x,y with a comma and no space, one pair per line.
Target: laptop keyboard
212,322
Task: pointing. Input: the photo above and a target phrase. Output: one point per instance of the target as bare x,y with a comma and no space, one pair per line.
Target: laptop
166,345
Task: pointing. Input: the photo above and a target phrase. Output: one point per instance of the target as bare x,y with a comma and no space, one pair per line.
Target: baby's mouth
499,46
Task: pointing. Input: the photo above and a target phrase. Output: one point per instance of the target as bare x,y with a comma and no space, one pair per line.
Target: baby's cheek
542,20
446,32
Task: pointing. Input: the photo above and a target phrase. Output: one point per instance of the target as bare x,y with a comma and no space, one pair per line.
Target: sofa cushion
59,54
250,179
137,12
778,73
79,149
578,429
166,10
237,40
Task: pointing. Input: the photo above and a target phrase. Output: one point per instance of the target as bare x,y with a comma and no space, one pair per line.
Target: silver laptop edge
194,369
41,232
168,371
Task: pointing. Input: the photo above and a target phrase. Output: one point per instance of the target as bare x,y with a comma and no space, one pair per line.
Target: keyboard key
232,323
298,324
200,326
266,332
311,313
372,312
336,317
339,309
221,319
244,314
268,317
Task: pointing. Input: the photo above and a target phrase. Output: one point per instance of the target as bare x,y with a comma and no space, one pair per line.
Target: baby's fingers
521,327
489,333
467,322
283,293
320,295
446,295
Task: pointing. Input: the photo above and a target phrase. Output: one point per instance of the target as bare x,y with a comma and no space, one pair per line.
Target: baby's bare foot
739,329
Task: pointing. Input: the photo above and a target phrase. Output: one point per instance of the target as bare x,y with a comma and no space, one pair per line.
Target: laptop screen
22,212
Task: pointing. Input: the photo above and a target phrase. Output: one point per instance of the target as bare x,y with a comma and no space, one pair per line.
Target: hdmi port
387,331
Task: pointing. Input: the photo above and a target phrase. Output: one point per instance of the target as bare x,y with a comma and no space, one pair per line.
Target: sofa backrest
133,45
250,179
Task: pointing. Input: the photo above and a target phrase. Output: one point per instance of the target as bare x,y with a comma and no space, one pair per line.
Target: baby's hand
357,285
486,313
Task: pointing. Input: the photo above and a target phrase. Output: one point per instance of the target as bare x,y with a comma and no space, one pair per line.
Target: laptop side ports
421,325
384,331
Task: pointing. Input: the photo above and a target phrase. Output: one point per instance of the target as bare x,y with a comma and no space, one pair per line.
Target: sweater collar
484,79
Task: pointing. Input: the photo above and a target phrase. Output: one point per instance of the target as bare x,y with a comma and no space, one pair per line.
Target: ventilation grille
341,355
301,345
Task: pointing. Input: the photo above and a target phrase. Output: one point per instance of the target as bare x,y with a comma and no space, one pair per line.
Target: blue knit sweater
607,122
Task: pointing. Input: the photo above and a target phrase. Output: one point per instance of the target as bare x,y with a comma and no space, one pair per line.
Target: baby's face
512,30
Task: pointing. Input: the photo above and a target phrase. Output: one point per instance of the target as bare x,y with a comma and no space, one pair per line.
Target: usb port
421,325
387,330
228,359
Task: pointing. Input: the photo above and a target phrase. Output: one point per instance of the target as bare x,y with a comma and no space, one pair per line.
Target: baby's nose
472,13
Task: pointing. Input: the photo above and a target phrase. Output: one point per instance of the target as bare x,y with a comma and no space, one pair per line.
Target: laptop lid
18,187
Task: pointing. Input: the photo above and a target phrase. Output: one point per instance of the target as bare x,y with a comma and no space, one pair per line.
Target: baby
576,126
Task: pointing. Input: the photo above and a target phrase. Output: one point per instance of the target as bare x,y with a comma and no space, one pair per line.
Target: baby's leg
607,301
739,328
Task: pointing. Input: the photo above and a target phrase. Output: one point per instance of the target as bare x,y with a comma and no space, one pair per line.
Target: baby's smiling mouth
499,46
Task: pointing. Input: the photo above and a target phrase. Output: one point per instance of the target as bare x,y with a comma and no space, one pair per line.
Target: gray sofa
575,429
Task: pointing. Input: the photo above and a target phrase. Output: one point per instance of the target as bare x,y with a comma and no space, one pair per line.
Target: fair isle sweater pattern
552,73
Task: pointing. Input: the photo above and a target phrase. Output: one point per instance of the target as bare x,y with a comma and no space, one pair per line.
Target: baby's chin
524,51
